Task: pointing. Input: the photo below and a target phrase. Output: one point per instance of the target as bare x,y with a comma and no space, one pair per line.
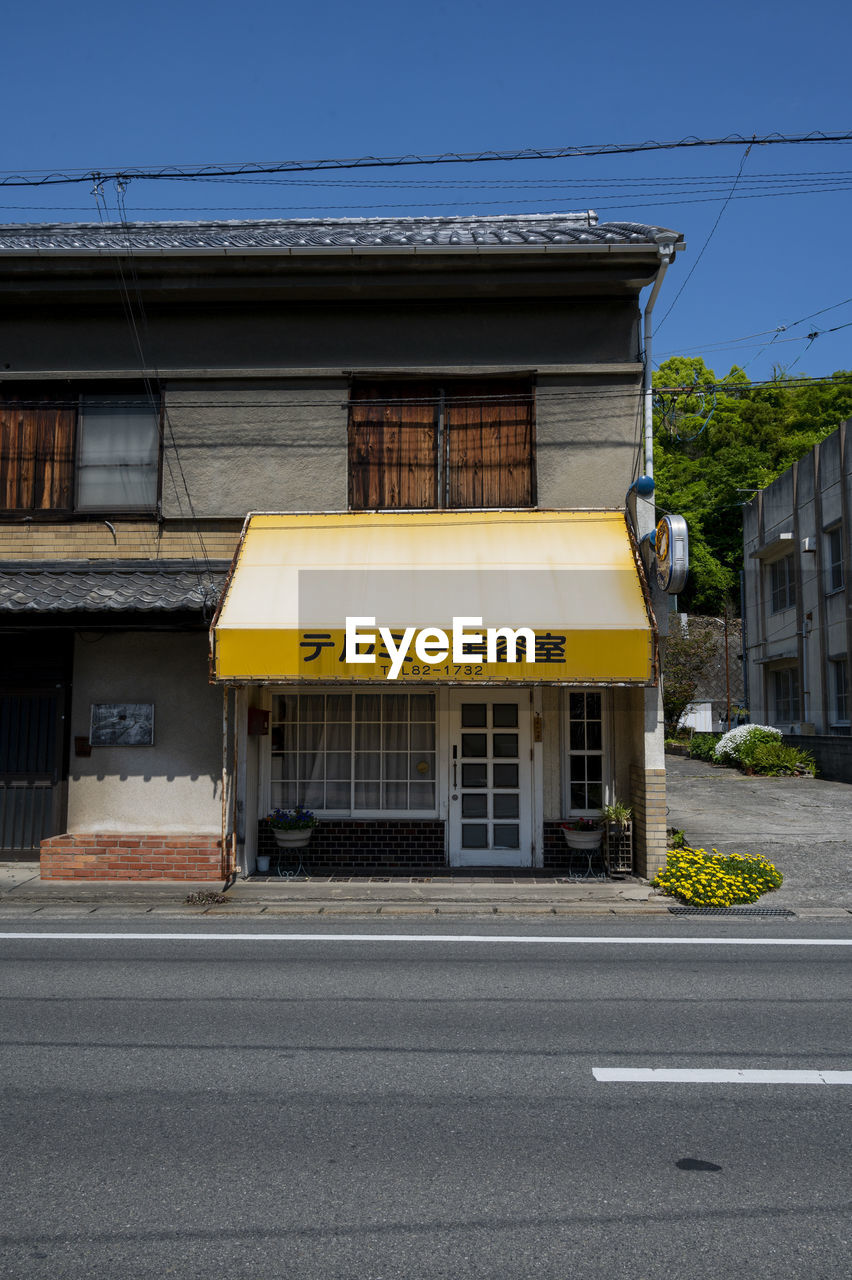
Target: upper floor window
97,453
453,444
783,584
834,558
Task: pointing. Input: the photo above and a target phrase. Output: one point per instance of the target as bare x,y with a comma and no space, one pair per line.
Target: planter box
587,840
619,849
292,839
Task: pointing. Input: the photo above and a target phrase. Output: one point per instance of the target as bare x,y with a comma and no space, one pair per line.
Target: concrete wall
391,334
811,497
282,446
173,786
833,754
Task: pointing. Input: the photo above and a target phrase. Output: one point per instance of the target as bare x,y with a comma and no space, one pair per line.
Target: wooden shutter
36,457
490,445
393,446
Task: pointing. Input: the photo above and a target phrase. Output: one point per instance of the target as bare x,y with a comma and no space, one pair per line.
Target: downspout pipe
666,245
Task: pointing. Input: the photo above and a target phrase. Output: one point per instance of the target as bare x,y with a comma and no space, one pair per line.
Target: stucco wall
173,786
586,439
275,447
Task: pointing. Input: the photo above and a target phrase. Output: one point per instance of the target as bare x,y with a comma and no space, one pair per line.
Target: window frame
834,565
839,668
351,814
782,594
790,696
569,753
439,398
36,398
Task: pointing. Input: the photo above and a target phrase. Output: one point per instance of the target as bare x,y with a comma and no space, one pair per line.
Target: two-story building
437,419
798,551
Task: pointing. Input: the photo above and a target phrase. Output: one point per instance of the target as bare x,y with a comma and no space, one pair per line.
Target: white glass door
490,779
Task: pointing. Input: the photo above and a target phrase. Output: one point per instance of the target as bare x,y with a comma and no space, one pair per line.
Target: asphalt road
370,1108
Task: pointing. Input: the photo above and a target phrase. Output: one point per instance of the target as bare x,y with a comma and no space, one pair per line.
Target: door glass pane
474,835
475,806
474,715
505,775
506,806
504,715
507,835
505,744
475,775
475,744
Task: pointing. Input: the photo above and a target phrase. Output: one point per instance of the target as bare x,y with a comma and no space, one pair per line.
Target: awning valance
519,596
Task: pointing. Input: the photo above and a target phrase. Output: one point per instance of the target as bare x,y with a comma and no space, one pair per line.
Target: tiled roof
109,586
505,231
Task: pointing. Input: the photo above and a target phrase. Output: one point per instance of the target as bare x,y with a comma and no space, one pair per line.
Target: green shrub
702,746
775,759
731,745
701,879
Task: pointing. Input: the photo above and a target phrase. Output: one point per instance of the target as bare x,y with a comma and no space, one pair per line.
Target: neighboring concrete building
798,551
451,400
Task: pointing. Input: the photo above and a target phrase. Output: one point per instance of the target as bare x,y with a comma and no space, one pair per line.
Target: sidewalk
802,825
21,891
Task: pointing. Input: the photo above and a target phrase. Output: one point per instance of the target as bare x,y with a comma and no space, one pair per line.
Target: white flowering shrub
735,742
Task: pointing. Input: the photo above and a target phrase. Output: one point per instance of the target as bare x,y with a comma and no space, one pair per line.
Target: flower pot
583,839
297,838
262,863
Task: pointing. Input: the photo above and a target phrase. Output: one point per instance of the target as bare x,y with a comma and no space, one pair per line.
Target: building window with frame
585,752
95,453
455,444
840,691
354,753
782,576
834,559
785,688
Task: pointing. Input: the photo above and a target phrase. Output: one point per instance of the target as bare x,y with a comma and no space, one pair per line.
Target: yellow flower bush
702,879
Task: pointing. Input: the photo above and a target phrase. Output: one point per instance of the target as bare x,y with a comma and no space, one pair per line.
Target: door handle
455,768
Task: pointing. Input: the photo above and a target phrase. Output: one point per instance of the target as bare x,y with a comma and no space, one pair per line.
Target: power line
33,178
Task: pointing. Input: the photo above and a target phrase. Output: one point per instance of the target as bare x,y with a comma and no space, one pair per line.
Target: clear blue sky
104,85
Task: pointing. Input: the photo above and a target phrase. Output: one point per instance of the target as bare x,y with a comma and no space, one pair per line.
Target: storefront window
354,752
585,752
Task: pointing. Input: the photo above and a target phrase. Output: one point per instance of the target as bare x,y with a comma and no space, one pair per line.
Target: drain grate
731,911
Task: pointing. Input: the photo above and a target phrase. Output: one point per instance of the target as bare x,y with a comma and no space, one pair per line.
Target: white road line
427,937
675,1075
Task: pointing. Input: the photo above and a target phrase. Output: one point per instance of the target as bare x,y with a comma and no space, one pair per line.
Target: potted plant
292,827
618,821
583,833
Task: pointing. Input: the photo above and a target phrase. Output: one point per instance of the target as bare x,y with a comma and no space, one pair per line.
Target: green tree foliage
705,470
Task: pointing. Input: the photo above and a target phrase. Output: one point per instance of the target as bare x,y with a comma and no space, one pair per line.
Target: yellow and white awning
569,577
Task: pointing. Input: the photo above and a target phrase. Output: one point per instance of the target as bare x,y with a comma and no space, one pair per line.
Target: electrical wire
35,178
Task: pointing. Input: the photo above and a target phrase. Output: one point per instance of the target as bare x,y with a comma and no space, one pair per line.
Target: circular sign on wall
672,547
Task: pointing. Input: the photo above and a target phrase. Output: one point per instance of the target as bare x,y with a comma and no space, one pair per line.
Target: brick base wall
131,857
363,848
648,799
